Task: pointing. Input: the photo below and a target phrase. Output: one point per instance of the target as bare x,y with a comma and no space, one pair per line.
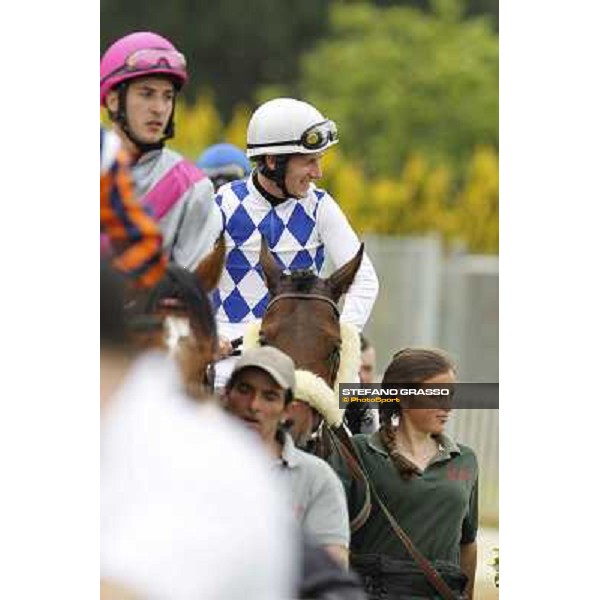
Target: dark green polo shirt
437,507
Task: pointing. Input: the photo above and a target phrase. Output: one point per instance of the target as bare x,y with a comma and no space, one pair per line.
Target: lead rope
346,448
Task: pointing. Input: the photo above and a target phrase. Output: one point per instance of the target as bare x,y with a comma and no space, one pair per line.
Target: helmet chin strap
277,175
120,117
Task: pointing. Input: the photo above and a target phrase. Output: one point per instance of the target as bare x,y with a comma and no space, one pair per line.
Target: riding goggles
148,59
222,175
320,135
219,180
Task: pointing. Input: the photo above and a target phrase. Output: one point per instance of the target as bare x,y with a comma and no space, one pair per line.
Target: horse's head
302,318
184,322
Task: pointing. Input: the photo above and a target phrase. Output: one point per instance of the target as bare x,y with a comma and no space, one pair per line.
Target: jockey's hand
225,347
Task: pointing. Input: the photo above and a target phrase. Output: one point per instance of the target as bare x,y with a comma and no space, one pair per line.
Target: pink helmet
139,54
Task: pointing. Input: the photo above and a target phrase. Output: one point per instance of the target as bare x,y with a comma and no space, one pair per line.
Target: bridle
300,296
333,360
151,310
177,309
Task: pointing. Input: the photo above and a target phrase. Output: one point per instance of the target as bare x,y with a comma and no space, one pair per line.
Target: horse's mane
303,281
181,285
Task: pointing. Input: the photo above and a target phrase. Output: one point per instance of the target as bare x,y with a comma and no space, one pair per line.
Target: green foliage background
401,81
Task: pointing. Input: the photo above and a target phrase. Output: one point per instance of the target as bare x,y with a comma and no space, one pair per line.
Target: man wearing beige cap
259,392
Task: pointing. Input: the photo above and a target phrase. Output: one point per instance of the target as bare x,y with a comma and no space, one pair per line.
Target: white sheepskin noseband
311,388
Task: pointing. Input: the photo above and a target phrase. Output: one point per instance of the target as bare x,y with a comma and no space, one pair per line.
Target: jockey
134,238
301,223
140,76
224,163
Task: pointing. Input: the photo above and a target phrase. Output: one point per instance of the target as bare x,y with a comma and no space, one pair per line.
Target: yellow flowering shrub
196,126
235,132
422,198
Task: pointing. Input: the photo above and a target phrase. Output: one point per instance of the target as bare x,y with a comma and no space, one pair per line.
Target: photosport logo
421,395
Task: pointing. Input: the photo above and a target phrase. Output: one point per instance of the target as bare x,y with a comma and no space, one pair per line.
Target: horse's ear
342,279
271,271
211,266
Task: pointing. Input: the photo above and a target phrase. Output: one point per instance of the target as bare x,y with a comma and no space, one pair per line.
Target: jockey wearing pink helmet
139,54
140,75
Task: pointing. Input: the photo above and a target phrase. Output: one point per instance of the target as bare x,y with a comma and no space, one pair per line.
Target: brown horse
177,313
302,318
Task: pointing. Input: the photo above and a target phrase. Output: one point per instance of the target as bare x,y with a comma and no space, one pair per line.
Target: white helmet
288,126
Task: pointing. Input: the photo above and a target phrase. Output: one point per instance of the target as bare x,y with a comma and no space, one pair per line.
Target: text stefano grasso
396,391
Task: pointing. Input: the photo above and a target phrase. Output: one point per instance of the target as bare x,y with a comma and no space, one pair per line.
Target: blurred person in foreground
184,489
128,233
224,163
428,482
259,392
141,75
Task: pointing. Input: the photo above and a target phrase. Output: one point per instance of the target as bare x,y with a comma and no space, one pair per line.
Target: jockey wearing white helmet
301,223
284,127
140,76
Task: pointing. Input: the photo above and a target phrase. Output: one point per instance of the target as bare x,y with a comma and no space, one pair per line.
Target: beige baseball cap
275,362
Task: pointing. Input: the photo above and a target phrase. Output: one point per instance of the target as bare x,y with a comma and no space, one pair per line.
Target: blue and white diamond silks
271,227
300,225
291,232
237,265
240,226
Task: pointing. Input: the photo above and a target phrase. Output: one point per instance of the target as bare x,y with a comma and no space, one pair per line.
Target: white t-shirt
190,507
